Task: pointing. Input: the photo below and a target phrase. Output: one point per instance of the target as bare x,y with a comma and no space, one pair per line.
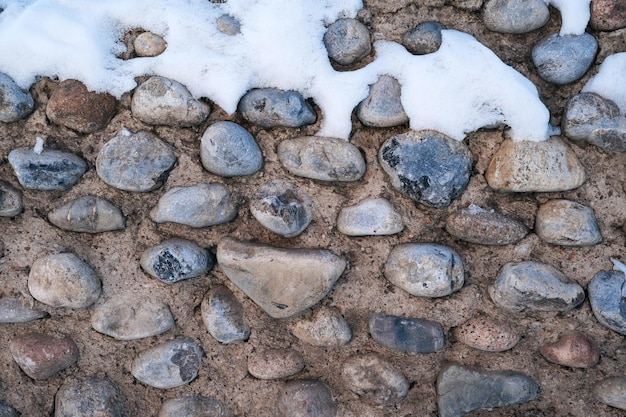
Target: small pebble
170,365
424,39
194,406
201,205
275,363
321,158
7,411
564,59
611,391
227,149
567,223
132,317
471,5
72,105
135,161
15,103
149,44
271,107
41,355
10,200
347,41
573,349
281,209
90,397
383,107
425,270
88,214
13,310
405,334
534,286
283,282
607,296
484,227
222,315
63,280
228,25
427,166
161,101
487,334
174,260
608,14
306,398
370,217
327,328
515,16
374,379
48,171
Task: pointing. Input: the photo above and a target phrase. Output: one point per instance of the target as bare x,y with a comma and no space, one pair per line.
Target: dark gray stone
50,170
564,59
306,398
611,391
15,103
90,397
88,214
10,200
425,38
227,149
7,411
228,25
461,389
13,310
374,379
383,107
607,296
370,217
567,223
194,406
271,107
515,16
281,209
485,227
222,315
347,41
406,334
427,166
175,260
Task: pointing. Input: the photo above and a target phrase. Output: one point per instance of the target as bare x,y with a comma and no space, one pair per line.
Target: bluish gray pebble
48,171
564,59
194,406
515,16
228,25
7,411
222,315
383,107
607,296
347,41
406,334
281,209
567,223
485,227
15,103
88,214
271,107
80,396
370,217
10,200
425,38
374,379
227,149
13,310
306,398
175,260
611,391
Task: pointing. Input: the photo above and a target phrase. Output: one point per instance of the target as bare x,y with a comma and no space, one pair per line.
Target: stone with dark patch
281,208
271,107
90,396
374,379
607,296
406,334
176,259
10,200
222,315
48,171
424,38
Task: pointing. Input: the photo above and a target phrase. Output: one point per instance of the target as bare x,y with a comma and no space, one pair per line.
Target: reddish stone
574,349
42,355
608,14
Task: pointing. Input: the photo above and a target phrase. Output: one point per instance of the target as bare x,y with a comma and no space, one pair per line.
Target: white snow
610,81
458,89
38,148
618,266
575,15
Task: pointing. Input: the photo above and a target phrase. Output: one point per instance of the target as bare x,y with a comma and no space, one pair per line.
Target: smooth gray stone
15,103
88,214
611,391
63,280
424,269
161,101
135,161
199,205
427,166
131,318
485,227
374,379
327,328
90,397
194,406
227,149
424,39
534,286
515,16
370,217
170,365
228,25
567,223
48,171
13,310
149,44
222,315
347,41
175,260
382,107
281,209
322,158
306,398
564,59
7,411
406,334
271,107
462,389
607,296
10,200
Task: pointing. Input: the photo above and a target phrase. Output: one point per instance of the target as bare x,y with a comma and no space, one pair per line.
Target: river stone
327,328
228,25
534,286
176,259
484,227
608,14
462,389
170,365
72,105
13,310
567,223
90,397
7,411
321,158
548,166
374,379
283,282
201,205
607,296
424,39
149,44
10,200
271,107
227,149
306,398
132,317
48,171
488,334
222,315
382,107
611,391
281,209
88,214
370,217
347,41
424,269
15,103
41,355
406,334
63,280
471,5
564,59
194,406
515,16
135,161
573,349
275,363
427,166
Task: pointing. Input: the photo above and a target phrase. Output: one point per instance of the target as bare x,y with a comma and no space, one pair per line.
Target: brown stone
41,355
608,14
275,363
574,349
488,334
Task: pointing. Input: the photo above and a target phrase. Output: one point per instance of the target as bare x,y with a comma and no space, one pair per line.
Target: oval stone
227,149
607,296
149,44
222,315
370,217
10,200
194,406
46,171
90,397
515,16
88,214
425,38
573,349
485,227
271,107
406,334
383,107
488,334
347,41
15,103
228,25
306,398
327,328
13,310
41,355
174,260
564,59
275,363
374,379
611,391
567,223
281,209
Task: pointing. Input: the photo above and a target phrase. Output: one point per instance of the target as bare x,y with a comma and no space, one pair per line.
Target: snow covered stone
10,200
327,328
88,214
194,406
271,107
15,103
515,16
406,334
424,39
347,41
42,355
227,149
281,209
149,44
370,217
176,259
607,297
46,171
13,310
374,379
222,315
564,59
485,227
228,25
105,398
382,107
567,223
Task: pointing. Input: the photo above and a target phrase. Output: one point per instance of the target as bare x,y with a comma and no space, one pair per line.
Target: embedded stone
564,59
271,107
46,171
424,39
370,217
487,334
41,355
347,41
228,25
10,200
573,349
7,411
327,328
306,398
607,296
275,363
281,209
406,334
175,260
194,406
567,223
222,315
149,44
382,107
374,379
88,214
13,310
475,224
15,103
227,149
515,16
611,391
90,397
608,15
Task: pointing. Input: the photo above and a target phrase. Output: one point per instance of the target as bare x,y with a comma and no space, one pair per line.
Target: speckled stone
567,223
611,391
194,406
564,59
88,214
271,107
347,41
8,411
608,14
281,208
370,217
42,355
12,310
227,149
382,107
406,334
326,328
607,296
487,334
228,25
374,379
175,260
306,398
484,227
275,363
48,171
90,397
471,5
10,200
573,349
424,39
15,103
222,315
149,44
515,16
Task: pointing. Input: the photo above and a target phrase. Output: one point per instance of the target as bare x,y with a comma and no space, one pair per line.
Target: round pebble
611,391
424,39
271,107
46,171
573,349
41,355
487,334
228,25
515,16
275,363
327,328
564,59
10,200
383,107
306,398
149,44
347,41
606,296
374,379
222,315
281,209
567,223
174,260
105,399
227,149
485,227
194,406
12,310
88,214
370,217
608,15
15,103
406,334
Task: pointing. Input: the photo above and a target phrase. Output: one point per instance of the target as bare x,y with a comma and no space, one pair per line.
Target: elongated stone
176,259
88,214
567,223
485,227
515,16
406,334
374,379
306,398
194,406
271,107
275,363
607,296
46,171
611,391
13,310
370,217
488,334
222,315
